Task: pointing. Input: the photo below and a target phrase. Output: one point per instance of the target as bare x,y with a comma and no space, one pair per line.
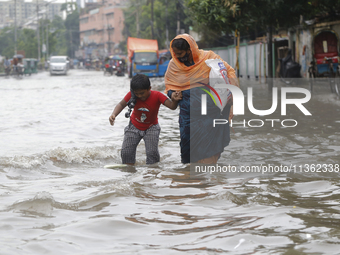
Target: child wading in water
144,119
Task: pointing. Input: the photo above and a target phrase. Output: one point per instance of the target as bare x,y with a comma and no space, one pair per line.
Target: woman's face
183,55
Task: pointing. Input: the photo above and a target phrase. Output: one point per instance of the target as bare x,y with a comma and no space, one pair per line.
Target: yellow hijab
180,77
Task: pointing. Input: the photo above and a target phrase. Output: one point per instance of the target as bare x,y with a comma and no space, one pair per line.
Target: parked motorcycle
108,69
120,71
289,69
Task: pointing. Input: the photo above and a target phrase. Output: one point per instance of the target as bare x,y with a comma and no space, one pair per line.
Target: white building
26,11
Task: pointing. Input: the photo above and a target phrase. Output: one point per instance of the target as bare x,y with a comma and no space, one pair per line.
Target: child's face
142,94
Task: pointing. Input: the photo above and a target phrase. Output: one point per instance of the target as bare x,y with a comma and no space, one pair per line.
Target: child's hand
112,119
176,96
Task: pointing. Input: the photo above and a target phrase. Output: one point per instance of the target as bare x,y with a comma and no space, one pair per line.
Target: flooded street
57,198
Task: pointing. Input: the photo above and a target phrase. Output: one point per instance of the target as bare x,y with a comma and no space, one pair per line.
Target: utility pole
237,44
137,19
47,20
47,40
270,58
152,33
42,39
15,27
109,39
38,34
178,19
166,26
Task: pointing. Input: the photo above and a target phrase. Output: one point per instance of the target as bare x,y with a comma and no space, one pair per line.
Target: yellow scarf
180,77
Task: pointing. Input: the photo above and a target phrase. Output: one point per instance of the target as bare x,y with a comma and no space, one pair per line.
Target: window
325,46
109,15
84,20
148,57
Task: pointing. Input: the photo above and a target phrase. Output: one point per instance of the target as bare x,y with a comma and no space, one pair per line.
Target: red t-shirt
145,113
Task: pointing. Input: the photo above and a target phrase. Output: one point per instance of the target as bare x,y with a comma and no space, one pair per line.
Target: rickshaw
88,64
96,64
27,66
325,61
109,65
119,65
18,69
34,65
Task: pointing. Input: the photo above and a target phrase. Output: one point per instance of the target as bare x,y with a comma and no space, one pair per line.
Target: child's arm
173,103
119,107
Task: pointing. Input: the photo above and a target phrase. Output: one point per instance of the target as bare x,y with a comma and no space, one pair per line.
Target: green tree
72,33
226,16
6,42
160,21
323,10
63,36
27,41
57,39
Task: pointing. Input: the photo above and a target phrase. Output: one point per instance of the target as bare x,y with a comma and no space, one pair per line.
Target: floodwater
56,197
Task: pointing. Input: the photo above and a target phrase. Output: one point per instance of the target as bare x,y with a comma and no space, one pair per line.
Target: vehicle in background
325,62
27,66
114,64
59,65
289,69
108,66
163,61
143,57
88,64
325,50
34,65
18,66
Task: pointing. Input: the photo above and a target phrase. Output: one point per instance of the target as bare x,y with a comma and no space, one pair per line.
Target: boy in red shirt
143,120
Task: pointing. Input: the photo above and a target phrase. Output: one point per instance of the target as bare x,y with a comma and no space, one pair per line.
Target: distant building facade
25,12
101,29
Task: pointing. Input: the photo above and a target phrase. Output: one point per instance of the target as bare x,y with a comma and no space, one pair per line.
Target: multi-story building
24,12
101,29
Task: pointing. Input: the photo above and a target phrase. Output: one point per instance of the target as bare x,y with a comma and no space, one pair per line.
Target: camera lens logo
204,98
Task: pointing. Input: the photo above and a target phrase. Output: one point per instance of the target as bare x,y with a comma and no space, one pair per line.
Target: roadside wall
253,57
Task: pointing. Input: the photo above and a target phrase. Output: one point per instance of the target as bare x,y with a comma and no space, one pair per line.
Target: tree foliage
226,16
161,19
324,10
72,34
63,37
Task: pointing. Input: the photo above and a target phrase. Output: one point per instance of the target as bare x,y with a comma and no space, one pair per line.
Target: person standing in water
187,72
144,119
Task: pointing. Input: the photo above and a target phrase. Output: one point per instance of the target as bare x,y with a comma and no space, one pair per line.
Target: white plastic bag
218,78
